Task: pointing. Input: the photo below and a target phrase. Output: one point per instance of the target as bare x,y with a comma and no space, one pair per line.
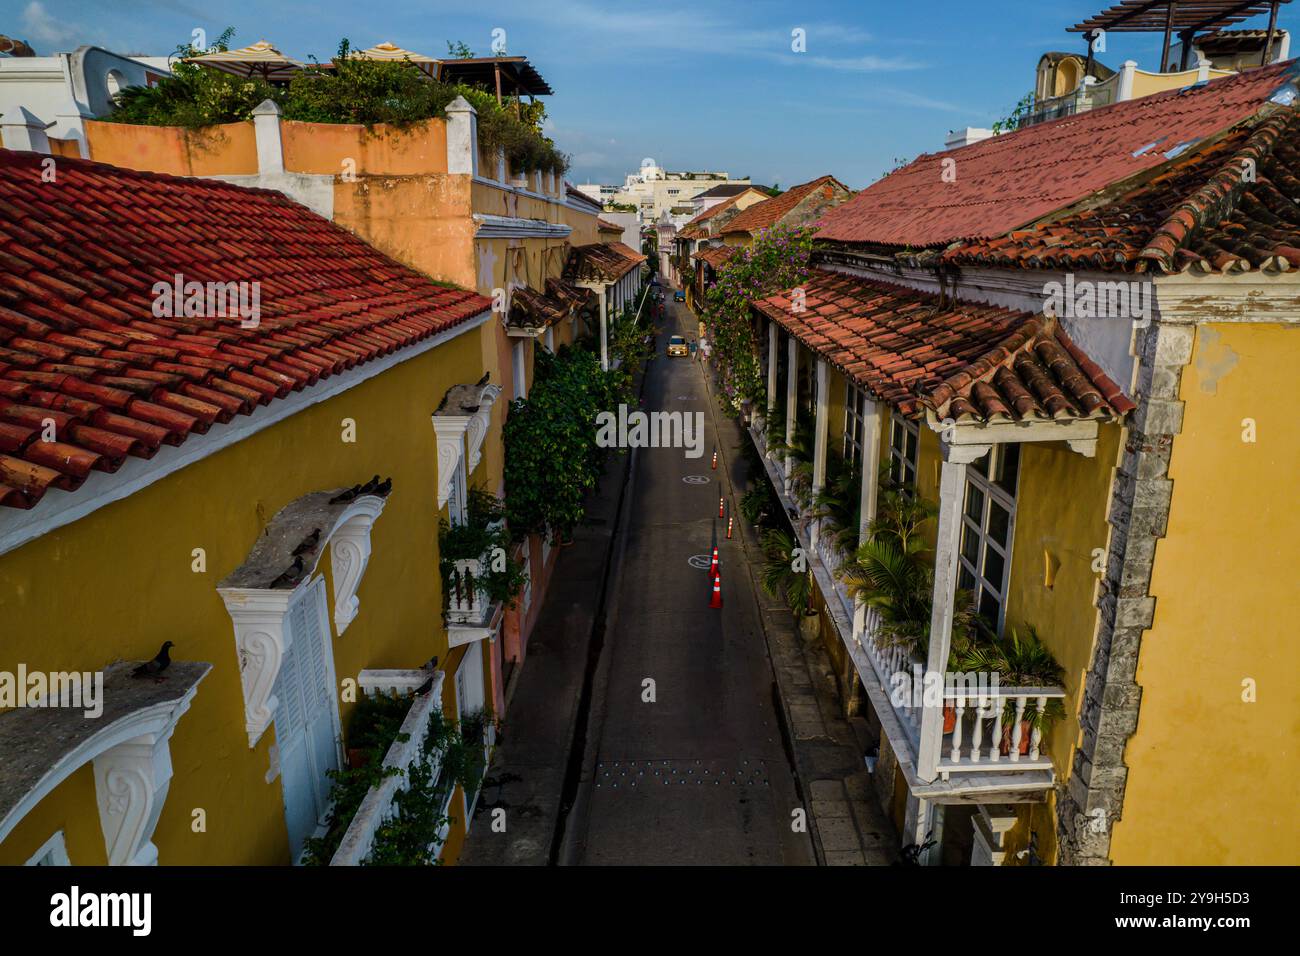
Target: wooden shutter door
321,718
306,720
295,762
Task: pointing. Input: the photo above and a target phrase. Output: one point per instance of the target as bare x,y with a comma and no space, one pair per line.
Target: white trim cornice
60,508
1240,297
508,227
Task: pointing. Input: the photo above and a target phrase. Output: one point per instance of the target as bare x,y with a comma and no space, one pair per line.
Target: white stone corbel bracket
349,555
462,432
451,446
479,422
261,643
259,613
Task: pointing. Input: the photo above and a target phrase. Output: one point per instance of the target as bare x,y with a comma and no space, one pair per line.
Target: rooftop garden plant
355,89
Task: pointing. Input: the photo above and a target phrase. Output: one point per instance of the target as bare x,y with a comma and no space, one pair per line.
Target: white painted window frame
899,460
854,424
55,848
992,493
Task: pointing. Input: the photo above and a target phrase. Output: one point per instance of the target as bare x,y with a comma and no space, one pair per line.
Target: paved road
700,775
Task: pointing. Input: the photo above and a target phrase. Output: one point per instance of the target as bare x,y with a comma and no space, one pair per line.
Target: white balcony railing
991,730
469,604
377,806
987,722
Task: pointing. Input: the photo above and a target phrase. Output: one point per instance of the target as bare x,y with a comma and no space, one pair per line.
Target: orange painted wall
424,221
226,150
323,147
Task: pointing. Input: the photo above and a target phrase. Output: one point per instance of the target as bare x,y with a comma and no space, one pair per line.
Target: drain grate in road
640,774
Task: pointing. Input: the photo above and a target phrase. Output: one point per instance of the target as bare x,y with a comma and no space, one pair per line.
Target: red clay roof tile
81,346
1197,212
963,361
1007,181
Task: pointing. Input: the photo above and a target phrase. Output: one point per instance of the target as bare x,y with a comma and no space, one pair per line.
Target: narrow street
698,775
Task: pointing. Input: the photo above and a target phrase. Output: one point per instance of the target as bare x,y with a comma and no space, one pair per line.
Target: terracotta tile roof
573,297
961,360
696,228
1197,212
764,215
81,347
1008,181
603,261
531,308
716,256
607,225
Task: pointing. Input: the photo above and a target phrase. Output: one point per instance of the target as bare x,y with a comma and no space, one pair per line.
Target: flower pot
809,626
949,718
1025,731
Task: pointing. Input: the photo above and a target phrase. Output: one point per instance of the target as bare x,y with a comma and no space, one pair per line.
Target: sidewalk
848,825
527,774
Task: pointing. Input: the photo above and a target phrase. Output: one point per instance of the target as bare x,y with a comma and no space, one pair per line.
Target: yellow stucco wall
118,582
1061,509
1211,777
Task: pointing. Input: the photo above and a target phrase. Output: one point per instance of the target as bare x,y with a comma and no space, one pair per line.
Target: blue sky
700,84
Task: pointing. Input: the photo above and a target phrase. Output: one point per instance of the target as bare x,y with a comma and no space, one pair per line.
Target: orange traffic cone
716,600
729,521
713,565
721,503
715,459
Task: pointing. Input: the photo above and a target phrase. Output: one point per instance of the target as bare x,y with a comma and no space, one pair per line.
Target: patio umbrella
387,51
260,59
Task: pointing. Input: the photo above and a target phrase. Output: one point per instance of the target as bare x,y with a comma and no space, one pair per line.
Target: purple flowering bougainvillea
777,260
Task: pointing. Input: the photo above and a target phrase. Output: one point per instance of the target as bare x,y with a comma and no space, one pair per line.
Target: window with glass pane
904,437
853,425
988,523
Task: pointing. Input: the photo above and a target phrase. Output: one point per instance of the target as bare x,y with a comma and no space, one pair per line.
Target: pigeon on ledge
155,667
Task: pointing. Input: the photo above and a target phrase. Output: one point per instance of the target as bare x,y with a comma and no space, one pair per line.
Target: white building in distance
655,191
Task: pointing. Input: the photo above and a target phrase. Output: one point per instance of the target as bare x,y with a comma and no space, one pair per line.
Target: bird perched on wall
290,577
155,667
308,543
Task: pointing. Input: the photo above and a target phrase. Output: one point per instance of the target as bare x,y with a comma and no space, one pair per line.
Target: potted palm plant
1019,661
891,572
786,573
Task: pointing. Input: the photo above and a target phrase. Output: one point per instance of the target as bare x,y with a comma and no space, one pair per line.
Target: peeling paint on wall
1215,359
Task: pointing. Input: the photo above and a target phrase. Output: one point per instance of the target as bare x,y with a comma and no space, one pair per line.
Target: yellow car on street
677,347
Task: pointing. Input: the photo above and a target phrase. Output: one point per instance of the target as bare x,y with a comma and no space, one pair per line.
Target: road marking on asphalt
696,479
700,562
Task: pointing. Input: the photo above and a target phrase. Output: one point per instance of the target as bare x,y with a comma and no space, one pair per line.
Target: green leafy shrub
503,575
552,459
356,90
193,96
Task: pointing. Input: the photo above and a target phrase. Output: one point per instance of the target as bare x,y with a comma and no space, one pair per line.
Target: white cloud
42,28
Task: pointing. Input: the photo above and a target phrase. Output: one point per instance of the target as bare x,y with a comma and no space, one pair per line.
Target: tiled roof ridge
1218,196
1009,181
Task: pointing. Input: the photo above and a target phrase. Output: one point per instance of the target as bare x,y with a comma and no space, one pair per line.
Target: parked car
677,347
679,296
